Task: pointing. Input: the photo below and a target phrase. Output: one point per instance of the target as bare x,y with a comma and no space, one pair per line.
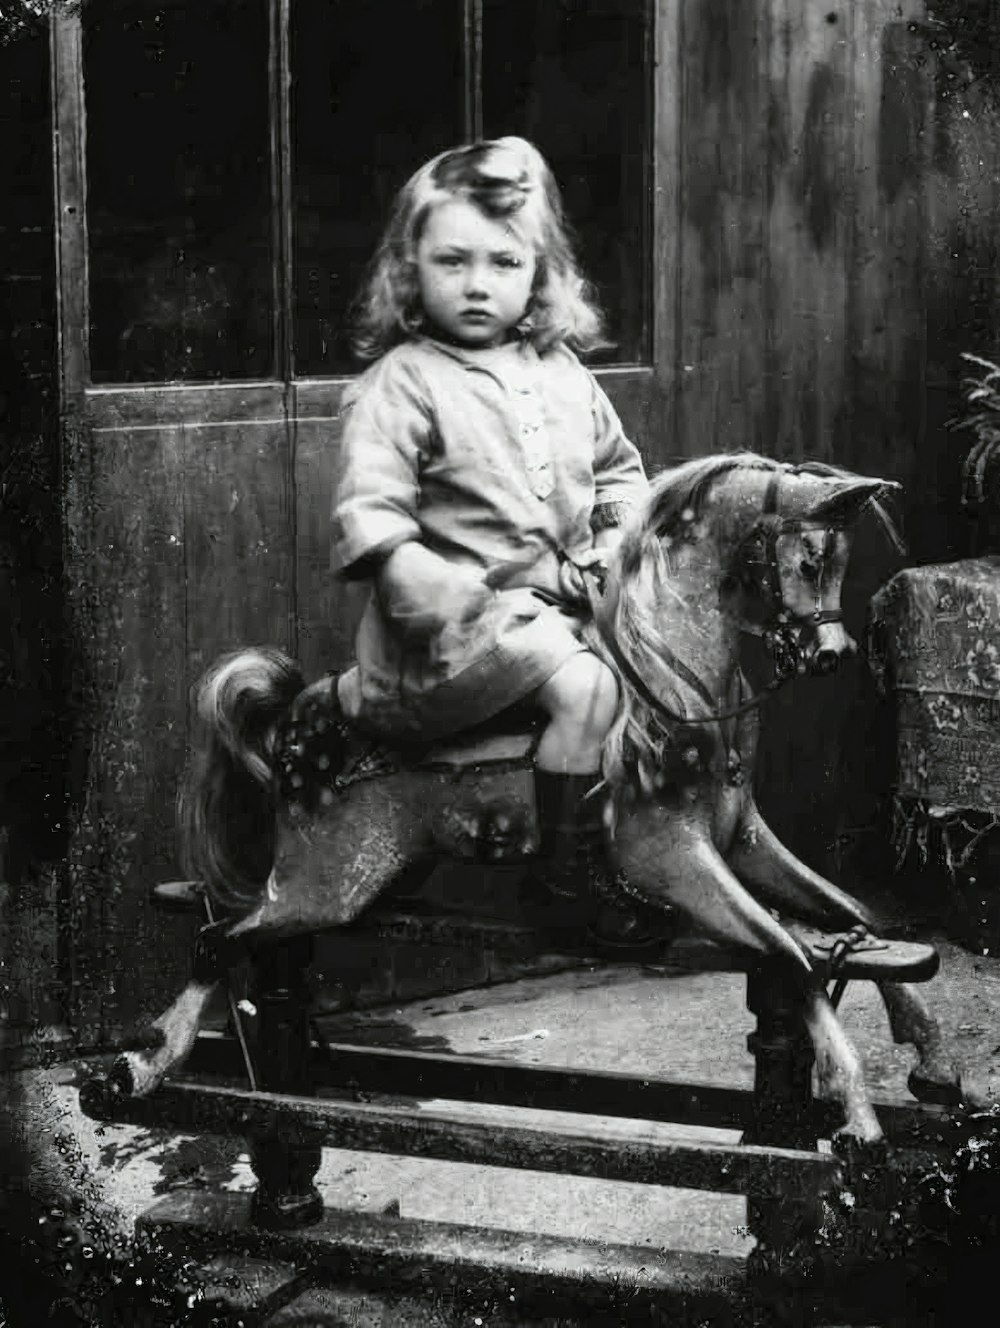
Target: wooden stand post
784,1224
285,1168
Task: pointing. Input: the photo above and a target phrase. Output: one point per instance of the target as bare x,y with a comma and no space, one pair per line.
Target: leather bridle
757,558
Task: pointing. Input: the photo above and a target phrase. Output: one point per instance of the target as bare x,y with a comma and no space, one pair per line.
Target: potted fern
981,465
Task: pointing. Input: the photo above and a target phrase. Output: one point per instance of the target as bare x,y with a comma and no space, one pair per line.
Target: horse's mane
643,750
686,488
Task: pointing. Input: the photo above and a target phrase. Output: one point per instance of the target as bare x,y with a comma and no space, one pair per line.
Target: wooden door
222,170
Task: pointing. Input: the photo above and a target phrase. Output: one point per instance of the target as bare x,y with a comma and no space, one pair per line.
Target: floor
644,1020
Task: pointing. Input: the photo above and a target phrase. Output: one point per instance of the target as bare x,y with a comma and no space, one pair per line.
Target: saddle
512,735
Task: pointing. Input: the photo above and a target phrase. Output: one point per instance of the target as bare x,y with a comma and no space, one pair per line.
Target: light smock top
487,457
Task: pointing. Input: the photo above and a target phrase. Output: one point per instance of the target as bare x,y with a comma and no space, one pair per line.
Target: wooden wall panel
893,90
809,168
32,736
911,279
328,610
721,255
809,231
238,517
179,548
125,565
961,289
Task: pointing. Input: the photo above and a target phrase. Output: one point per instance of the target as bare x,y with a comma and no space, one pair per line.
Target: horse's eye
807,570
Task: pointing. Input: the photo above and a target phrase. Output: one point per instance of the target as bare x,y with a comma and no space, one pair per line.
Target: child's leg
580,700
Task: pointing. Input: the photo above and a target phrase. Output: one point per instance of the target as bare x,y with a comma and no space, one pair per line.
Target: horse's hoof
957,1092
859,1148
627,928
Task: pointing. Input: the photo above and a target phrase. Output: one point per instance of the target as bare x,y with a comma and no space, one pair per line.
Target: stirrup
653,928
857,954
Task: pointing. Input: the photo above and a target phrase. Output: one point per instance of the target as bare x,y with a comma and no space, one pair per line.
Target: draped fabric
934,648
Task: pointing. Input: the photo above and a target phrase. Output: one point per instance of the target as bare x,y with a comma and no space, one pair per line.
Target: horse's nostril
826,661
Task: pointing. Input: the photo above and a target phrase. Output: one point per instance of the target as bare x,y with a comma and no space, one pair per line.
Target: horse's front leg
671,859
785,882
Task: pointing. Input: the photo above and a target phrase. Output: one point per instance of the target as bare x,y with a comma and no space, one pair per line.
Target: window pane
178,182
574,77
376,90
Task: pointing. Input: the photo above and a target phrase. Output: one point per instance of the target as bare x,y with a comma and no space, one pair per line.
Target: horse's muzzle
831,644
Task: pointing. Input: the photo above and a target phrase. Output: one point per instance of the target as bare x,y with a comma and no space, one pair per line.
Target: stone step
439,1264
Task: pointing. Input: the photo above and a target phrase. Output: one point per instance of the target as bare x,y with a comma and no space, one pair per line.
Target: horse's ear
843,505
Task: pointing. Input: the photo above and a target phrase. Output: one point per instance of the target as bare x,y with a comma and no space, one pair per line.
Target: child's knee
583,691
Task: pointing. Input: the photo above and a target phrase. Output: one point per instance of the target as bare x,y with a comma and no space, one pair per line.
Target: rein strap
683,671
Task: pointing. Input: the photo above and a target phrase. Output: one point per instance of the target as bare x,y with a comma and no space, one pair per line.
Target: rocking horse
295,822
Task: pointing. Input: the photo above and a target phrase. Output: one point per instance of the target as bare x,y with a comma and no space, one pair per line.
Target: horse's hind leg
936,1077
326,872
138,1073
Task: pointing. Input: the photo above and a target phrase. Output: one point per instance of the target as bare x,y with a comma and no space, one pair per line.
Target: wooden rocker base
779,1166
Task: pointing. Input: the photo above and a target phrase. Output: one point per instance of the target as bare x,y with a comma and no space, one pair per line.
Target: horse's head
726,544
792,562
771,540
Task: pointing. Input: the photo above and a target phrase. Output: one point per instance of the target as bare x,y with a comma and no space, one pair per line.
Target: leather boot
573,893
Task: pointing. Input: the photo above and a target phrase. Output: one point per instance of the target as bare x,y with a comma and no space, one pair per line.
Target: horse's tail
228,799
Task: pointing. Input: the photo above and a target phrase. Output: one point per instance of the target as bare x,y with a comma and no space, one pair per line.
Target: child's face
475,274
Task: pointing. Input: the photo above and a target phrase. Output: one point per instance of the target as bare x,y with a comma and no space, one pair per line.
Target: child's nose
476,282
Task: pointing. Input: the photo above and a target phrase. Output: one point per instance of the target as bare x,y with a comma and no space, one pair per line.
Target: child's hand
463,599
423,594
574,580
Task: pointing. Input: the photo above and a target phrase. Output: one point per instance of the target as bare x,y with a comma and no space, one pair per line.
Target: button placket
534,443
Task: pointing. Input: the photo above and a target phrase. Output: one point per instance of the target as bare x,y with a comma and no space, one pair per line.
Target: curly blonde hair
505,178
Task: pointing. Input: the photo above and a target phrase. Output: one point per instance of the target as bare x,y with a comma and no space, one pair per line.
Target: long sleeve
386,437
619,475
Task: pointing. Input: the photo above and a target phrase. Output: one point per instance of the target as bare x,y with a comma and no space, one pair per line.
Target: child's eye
450,260
509,261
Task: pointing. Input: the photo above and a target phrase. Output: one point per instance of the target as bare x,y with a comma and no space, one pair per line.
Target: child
481,468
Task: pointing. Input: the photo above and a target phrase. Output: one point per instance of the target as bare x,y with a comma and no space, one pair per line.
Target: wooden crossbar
452,1136
425,1074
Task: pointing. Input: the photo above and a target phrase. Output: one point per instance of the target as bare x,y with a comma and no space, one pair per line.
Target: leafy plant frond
981,466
